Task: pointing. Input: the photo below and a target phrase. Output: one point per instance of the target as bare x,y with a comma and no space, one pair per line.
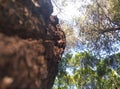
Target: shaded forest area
31,44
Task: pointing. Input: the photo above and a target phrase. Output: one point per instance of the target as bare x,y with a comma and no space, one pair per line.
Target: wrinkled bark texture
31,44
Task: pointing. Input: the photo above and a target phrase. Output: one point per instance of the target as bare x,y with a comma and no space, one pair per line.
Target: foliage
85,71
98,24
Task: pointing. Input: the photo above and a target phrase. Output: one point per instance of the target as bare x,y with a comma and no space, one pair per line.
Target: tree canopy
98,24
85,71
95,33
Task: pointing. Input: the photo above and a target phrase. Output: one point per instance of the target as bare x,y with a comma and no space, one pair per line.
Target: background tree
97,22
83,70
98,26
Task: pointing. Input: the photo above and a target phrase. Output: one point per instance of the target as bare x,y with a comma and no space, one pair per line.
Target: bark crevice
31,44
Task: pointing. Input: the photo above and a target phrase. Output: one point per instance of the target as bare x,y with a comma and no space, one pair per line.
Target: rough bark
30,46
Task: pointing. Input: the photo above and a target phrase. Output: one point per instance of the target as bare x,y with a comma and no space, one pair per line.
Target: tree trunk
30,46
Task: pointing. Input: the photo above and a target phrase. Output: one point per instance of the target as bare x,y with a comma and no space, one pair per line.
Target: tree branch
110,29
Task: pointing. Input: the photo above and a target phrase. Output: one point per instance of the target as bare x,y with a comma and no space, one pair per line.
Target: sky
72,8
